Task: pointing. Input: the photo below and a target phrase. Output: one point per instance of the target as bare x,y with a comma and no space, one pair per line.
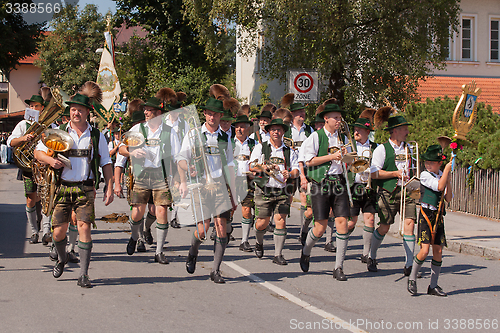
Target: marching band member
152,166
78,185
328,189
219,155
434,184
265,117
388,171
270,195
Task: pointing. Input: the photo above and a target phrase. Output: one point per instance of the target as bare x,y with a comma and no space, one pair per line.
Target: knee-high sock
135,226
417,264
31,214
342,240
46,224
279,237
61,249
259,235
245,229
39,215
195,245
84,250
310,241
141,231
409,246
377,240
329,230
72,235
435,270
161,235
150,219
219,248
303,227
367,239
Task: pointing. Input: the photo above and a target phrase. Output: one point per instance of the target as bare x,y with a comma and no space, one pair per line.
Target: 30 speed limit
304,84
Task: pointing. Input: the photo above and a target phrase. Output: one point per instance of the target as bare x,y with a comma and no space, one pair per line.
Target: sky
103,5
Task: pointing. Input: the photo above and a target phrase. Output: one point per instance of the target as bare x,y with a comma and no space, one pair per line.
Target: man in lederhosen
271,197
78,184
265,117
214,195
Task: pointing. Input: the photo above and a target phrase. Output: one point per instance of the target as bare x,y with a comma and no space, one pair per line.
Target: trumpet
273,173
411,168
347,158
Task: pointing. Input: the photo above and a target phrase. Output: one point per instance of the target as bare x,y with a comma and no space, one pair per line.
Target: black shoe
216,277
246,247
160,258
34,239
437,291
407,271
364,259
280,260
131,246
84,282
304,262
259,250
72,258
303,237
372,265
148,237
270,228
46,239
58,269
53,253
412,287
140,246
330,247
191,263
213,234
175,224
339,274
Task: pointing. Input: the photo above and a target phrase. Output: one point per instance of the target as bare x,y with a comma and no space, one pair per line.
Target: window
3,104
3,78
467,40
494,49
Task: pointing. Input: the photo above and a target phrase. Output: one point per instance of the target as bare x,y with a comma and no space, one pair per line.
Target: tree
366,49
67,55
18,39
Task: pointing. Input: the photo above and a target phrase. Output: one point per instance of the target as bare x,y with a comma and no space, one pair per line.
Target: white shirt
299,135
116,143
19,131
311,149
362,177
214,161
80,166
154,152
430,180
378,158
121,160
175,125
265,136
241,148
275,152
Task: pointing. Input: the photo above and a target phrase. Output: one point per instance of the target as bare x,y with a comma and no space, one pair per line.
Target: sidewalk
465,233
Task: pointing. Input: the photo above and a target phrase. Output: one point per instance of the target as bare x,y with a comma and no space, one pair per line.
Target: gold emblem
465,113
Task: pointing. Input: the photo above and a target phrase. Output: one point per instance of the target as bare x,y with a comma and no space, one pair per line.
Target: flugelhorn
271,173
412,166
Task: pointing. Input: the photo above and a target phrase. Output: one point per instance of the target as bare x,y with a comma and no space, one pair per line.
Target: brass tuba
132,140
23,154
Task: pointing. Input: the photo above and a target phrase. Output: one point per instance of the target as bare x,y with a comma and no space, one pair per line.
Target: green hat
242,119
138,116
318,119
331,108
227,116
265,114
277,121
363,123
80,100
66,112
35,98
213,105
296,107
396,121
433,153
154,103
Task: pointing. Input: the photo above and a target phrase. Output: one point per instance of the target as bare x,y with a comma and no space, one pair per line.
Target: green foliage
17,38
67,55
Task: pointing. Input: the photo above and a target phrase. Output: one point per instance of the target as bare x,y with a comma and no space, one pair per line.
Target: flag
107,79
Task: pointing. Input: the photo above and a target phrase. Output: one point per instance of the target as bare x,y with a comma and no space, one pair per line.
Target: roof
12,114
29,60
451,86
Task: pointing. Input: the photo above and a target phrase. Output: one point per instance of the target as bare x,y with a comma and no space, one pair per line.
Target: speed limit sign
304,84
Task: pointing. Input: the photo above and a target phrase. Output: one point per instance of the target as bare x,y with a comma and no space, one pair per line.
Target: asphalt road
132,293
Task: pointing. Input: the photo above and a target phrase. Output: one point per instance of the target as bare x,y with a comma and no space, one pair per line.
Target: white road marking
345,325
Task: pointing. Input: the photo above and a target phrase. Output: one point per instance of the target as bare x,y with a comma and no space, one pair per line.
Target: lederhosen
362,199
245,183
389,193
327,191
287,140
428,231
273,197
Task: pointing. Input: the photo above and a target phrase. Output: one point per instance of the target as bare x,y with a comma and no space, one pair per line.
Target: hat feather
181,96
269,107
218,91
134,106
368,114
282,113
46,94
231,104
330,101
167,95
320,109
92,91
287,100
244,110
382,115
